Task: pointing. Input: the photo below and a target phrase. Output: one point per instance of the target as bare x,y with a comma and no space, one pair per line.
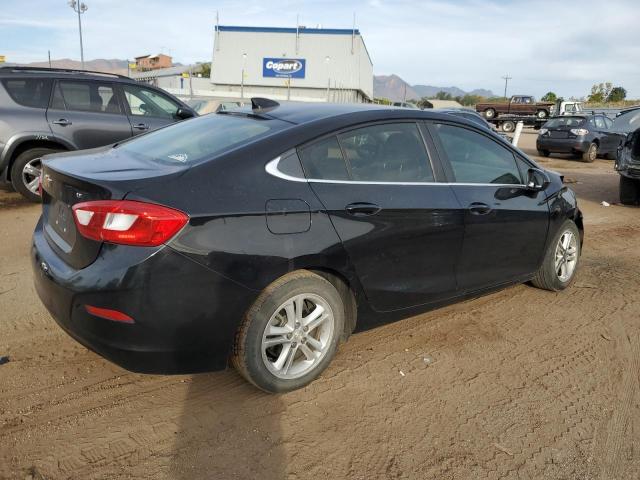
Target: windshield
203,138
570,122
627,122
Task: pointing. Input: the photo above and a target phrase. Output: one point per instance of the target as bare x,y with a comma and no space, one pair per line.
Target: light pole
327,59
244,61
79,8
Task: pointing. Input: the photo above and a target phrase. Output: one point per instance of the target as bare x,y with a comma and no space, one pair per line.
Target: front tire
291,333
558,269
542,114
25,172
544,153
629,191
490,113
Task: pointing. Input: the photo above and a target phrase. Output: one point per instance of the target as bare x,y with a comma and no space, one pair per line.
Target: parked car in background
204,105
43,111
517,105
580,135
292,226
470,115
405,105
628,158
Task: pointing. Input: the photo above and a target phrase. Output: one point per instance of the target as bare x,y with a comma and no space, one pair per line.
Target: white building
304,64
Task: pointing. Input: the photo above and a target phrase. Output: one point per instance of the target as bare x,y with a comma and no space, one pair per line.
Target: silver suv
44,111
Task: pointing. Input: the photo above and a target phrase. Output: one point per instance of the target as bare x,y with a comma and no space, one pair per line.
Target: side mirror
184,113
537,180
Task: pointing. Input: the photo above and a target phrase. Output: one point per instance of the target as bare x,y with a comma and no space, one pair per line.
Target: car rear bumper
185,315
562,145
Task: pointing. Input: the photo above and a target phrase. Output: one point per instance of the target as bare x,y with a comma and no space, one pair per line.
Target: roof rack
59,70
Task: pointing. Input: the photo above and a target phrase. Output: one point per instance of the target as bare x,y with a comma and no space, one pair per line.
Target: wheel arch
21,145
348,294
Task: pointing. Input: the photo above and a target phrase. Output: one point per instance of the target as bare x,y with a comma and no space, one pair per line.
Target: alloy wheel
298,336
31,175
566,257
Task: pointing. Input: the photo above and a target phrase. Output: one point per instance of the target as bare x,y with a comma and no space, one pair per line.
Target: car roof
301,113
39,72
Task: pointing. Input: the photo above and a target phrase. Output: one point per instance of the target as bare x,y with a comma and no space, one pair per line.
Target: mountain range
395,88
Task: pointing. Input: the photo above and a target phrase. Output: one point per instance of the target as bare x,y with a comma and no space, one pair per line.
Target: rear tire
544,153
629,191
563,250
278,348
489,113
591,154
508,127
25,172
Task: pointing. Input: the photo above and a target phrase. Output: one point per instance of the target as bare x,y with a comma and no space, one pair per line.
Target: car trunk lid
99,174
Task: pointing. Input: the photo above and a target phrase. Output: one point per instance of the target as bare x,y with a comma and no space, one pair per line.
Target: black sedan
267,236
580,135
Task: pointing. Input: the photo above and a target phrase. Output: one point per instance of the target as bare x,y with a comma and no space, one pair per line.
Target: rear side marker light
109,314
128,222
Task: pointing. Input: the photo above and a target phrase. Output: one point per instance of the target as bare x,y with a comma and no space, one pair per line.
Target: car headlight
542,131
579,131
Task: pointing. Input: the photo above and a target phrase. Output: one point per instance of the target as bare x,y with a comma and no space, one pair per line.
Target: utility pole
327,59
244,62
49,55
506,79
79,8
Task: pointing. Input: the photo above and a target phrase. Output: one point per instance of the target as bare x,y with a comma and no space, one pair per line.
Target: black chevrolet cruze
266,236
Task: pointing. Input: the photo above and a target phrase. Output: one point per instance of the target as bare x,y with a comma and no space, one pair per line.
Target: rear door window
85,97
323,160
475,158
29,92
393,152
599,121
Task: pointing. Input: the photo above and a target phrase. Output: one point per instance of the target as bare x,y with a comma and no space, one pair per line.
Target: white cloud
543,45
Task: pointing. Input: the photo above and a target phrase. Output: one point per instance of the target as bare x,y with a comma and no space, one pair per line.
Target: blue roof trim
302,31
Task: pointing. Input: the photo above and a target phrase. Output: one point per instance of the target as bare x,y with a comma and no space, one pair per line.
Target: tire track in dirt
619,428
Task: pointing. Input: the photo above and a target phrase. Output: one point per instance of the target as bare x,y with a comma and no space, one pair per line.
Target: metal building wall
348,73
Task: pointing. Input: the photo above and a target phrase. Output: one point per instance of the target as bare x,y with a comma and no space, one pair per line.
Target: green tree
617,94
549,97
443,96
600,92
205,69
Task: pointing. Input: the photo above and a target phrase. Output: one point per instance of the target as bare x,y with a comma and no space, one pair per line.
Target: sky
563,46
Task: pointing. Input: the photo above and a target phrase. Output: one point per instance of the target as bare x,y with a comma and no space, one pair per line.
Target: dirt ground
519,384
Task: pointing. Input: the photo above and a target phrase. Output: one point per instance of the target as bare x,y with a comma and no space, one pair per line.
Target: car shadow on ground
228,429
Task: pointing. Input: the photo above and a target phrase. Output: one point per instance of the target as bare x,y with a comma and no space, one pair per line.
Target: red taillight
109,314
128,222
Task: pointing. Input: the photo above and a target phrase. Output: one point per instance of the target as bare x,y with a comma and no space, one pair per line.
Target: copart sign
283,67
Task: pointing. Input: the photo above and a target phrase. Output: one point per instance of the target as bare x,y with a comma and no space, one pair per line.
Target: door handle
479,208
362,209
63,121
141,126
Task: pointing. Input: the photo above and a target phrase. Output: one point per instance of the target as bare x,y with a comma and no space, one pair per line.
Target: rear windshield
198,139
565,122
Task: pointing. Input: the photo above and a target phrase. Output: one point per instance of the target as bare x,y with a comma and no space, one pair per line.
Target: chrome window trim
272,169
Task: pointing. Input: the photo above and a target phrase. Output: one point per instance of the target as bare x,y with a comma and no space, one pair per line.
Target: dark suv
582,135
44,111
